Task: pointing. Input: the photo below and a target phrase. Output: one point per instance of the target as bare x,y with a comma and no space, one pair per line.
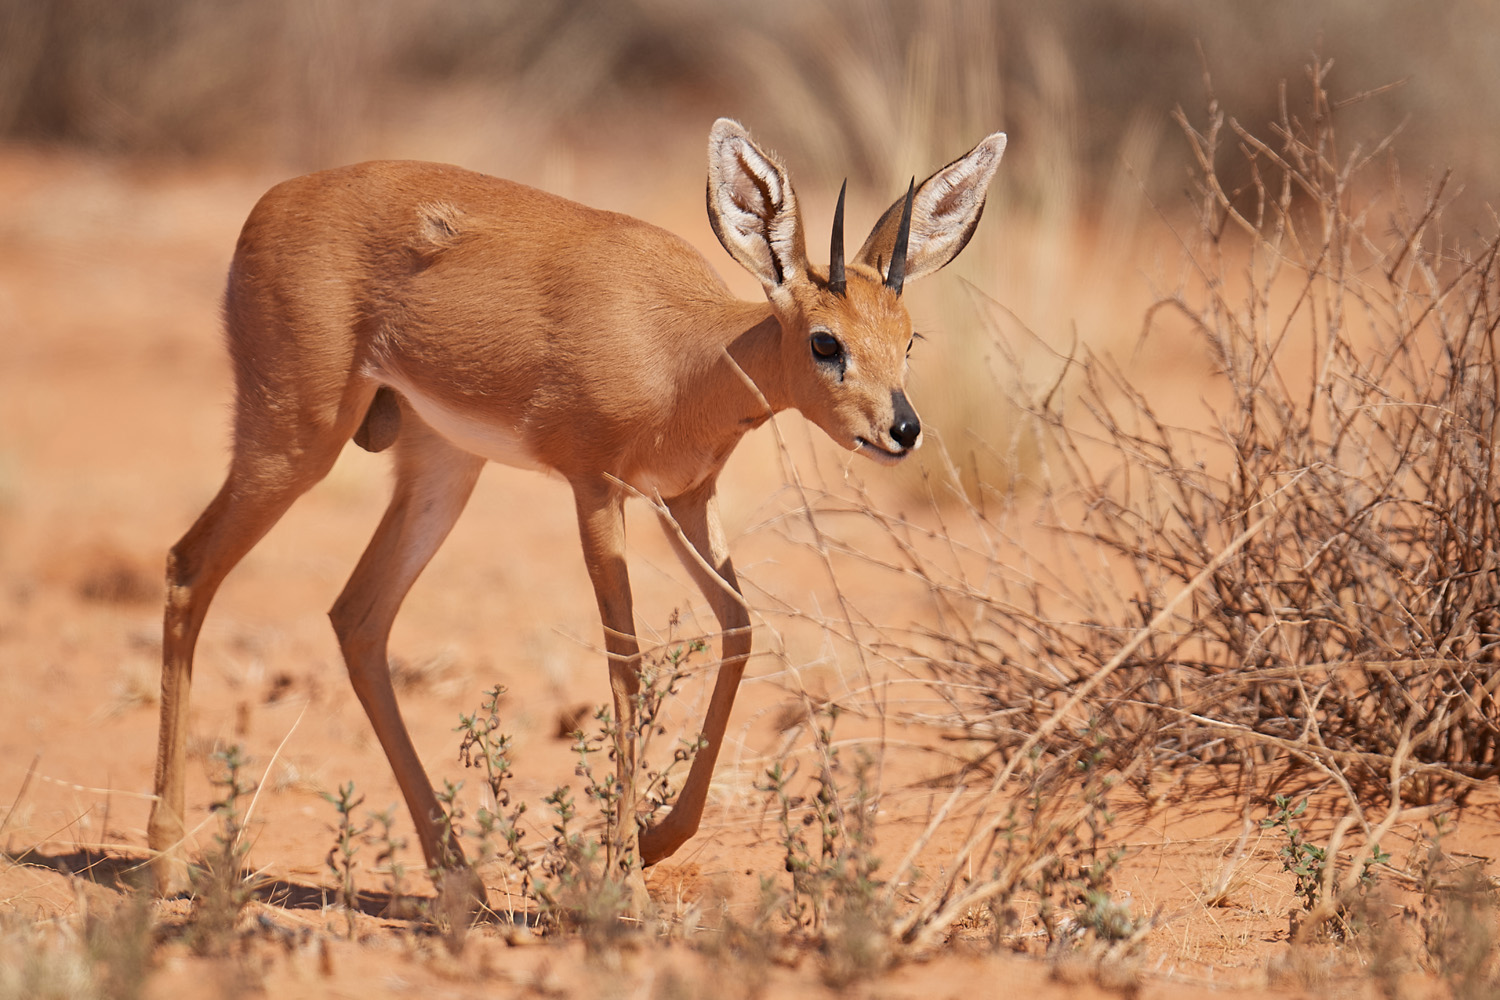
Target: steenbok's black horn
895,275
836,247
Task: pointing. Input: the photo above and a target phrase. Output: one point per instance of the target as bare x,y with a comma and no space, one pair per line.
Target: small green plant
449,826
452,914
660,677
388,860
1107,918
1075,902
606,791
573,884
1307,863
1303,861
484,746
829,852
220,891
578,878
346,844
589,874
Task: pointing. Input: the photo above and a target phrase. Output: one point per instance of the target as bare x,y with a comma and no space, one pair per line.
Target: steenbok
460,319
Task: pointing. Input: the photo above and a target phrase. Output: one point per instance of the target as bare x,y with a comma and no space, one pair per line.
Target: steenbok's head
846,333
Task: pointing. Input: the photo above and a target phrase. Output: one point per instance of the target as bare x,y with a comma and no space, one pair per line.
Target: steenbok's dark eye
826,346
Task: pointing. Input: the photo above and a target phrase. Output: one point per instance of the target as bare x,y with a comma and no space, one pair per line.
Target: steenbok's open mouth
884,456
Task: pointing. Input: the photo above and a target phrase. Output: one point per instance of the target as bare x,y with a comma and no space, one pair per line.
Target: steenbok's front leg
601,525
696,514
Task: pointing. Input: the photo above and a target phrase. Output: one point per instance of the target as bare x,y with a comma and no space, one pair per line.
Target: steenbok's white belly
498,442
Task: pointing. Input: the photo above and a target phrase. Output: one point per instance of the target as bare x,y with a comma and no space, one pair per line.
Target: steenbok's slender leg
261,485
433,483
697,515
601,525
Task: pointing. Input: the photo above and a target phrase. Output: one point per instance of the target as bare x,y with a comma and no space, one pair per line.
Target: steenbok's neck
750,368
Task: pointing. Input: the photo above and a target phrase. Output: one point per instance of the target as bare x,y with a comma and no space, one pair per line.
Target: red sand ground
113,430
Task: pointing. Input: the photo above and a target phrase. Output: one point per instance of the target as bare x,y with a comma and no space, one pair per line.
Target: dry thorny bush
1309,576
1329,542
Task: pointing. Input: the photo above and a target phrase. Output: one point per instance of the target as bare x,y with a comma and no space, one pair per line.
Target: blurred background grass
872,90
307,83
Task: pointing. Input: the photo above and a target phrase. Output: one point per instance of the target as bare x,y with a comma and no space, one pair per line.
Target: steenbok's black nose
906,428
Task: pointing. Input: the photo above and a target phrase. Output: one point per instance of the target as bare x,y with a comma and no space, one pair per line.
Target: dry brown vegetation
1315,568
1256,599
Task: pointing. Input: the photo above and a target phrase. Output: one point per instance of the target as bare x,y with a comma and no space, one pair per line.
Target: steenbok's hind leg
264,480
433,483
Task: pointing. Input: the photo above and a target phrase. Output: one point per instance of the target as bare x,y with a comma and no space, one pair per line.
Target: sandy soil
113,430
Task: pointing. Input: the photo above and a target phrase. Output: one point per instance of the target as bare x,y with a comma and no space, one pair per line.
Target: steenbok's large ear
753,210
944,212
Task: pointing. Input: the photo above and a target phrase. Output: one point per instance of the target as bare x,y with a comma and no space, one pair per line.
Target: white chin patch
879,454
